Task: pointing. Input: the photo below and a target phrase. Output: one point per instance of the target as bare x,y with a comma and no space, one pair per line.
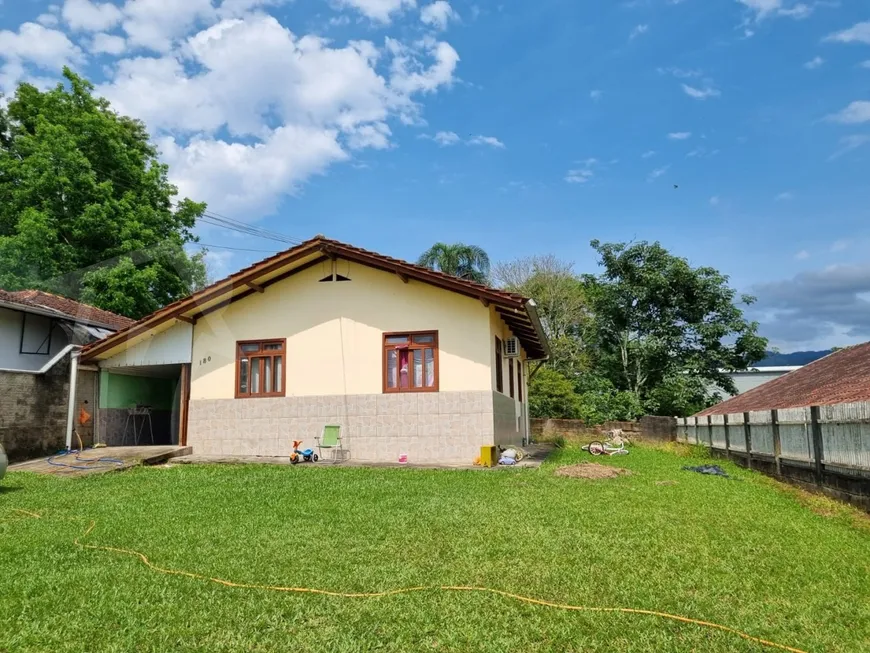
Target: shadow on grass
6,489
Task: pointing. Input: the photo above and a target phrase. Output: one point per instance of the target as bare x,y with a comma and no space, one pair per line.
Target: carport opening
139,406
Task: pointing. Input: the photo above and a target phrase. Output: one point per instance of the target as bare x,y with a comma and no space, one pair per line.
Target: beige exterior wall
334,333
334,366
511,420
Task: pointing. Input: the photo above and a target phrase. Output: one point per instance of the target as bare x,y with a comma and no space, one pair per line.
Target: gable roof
518,312
63,307
839,378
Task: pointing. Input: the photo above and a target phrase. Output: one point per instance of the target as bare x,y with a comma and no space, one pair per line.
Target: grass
743,553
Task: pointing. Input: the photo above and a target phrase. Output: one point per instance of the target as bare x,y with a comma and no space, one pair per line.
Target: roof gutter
532,310
54,361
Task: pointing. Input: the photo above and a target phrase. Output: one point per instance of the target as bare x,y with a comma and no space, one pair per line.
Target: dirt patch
666,482
591,470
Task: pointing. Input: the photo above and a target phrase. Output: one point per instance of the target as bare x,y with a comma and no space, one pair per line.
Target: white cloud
762,8
87,16
798,11
409,75
714,201
785,196
856,112
595,94
658,172
680,73
802,255
679,136
700,93
865,64
438,14
444,139
815,62
107,44
49,18
157,24
448,138
297,104
584,174
375,135
251,179
840,245
858,33
767,8
34,45
491,141
379,10
648,154
849,143
579,176
637,31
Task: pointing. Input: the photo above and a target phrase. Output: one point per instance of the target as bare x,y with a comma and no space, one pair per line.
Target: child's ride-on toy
305,455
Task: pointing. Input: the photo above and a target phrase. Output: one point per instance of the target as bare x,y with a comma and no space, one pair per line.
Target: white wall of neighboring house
36,330
746,380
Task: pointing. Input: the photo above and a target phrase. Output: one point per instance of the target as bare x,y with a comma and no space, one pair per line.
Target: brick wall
648,427
33,410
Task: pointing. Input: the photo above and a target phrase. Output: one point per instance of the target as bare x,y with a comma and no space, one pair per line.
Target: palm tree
464,261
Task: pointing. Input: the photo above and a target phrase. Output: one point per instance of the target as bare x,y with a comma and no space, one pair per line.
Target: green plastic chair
330,438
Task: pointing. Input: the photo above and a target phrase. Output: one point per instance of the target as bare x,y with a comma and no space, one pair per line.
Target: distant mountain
795,358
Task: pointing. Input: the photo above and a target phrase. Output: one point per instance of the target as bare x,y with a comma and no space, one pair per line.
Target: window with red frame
411,362
260,368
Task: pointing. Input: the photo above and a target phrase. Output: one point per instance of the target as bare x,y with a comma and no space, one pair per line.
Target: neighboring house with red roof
39,332
839,378
35,326
404,359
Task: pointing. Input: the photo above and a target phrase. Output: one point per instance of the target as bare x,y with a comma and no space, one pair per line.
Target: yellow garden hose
423,588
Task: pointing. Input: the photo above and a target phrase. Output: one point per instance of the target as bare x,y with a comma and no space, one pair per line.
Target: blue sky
523,127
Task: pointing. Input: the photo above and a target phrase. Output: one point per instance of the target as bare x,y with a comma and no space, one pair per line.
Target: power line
221,221
237,249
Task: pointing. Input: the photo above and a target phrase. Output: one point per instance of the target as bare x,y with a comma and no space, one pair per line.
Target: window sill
271,395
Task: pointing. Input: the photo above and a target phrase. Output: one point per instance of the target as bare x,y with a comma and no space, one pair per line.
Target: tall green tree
561,303
465,261
657,319
86,208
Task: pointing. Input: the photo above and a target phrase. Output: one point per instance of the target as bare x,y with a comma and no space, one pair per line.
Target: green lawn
747,554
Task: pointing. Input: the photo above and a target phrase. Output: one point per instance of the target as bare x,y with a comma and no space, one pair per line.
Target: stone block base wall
33,410
443,427
508,420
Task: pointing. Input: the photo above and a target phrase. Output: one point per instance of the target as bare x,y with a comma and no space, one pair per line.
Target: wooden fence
827,447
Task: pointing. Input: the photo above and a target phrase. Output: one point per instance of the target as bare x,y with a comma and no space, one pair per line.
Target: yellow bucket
488,455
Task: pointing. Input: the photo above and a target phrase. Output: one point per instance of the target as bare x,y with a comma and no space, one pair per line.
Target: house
838,378
406,360
39,334
753,377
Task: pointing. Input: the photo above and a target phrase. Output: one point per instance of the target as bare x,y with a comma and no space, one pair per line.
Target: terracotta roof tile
323,244
839,378
65,307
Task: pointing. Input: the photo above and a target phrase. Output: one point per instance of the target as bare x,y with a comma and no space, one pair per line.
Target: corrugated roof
65,307
838,378
514,308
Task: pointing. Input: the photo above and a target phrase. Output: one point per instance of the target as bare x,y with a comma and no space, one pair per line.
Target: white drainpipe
71,410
